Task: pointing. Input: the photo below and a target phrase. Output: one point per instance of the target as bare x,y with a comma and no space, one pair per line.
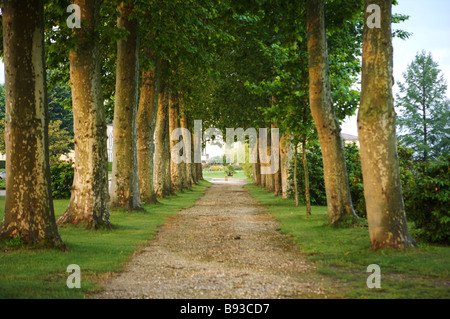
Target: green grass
31,273
207,175
342,255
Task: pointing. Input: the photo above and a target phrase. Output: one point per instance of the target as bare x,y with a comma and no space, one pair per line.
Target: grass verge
343,255
41,273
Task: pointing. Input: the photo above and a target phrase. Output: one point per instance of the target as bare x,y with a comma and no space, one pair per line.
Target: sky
429,24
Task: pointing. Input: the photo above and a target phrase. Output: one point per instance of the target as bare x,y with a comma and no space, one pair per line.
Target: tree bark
29,213
159,174
124,184
285,157
339,201
295,175
146,121
270,180
186,167
257,167
378,143
175,169
168,185
306,175
193,164
89,200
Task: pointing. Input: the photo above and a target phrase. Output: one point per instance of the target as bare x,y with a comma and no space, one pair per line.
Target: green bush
61,177
427,200
229,170
355,180
216,168
315,172
248,169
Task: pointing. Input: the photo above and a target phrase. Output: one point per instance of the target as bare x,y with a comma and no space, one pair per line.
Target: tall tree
146,121
124,183
29,213
175,168
159,165
339,201
376,130
424,109
89,197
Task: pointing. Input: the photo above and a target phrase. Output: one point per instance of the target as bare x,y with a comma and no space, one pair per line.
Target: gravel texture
226,246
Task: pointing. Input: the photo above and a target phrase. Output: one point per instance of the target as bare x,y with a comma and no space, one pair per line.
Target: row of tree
157,66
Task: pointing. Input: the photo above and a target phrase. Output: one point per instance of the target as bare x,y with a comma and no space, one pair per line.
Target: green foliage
229,170
61,174
353,162
315,171
427,200
59,141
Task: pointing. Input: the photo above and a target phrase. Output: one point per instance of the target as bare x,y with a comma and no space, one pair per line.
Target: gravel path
226,246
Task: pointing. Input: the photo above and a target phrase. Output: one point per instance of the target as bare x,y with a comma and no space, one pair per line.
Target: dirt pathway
225,246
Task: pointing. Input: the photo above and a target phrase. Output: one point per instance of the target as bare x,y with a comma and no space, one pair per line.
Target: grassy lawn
27,273
207,175
342,255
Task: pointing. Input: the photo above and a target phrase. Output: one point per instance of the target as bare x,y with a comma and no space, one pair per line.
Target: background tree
124,190
424,109
59,141
89,202
336,181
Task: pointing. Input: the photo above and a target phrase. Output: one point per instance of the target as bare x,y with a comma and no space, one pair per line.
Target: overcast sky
429,23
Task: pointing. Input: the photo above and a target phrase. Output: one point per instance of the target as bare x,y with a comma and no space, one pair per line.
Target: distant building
348,139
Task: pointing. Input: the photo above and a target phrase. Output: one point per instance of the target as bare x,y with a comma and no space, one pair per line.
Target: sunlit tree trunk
29,213
186,167
175,168
339,201
89,200
159,174
257,167
146,121
285,157
295,175
376,130
124,184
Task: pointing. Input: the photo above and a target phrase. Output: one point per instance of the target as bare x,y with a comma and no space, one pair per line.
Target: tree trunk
89,200
186,167
199,171
29,213
193,164
285,157
257,167
295,175
168,185
270,180
124,184
306,174
175,169
159,167
146,121
277,175
339,201
376,129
